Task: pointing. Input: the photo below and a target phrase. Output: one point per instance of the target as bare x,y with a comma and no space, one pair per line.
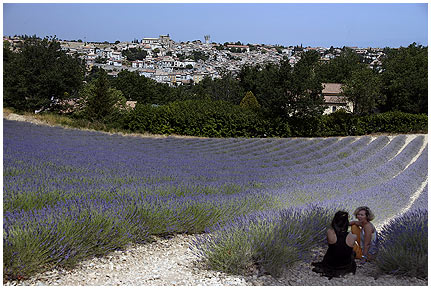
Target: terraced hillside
79,193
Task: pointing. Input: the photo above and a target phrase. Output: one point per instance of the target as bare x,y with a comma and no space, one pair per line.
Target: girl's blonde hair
368,213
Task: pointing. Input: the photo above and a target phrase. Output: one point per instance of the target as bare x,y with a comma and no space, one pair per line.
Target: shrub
249,101
202,118
395,122
307,127
52,237
404,248
337,123
341,123
269,240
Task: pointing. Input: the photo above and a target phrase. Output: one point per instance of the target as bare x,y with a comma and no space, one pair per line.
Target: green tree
133,86
303,88
285,91
197,54
249,101
100,102
143,89
100,60
405,79
340,68
156,51
40,75
7,53
264,82
363,89
225,88
134,54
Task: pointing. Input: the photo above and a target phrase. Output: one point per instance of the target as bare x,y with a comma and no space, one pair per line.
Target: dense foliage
39,75
340,69
203,118
98,102
142,89
344,124
220,119
133,54
283,90
405,79
363,90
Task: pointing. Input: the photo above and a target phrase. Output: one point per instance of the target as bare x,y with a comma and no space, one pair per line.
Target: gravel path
170,262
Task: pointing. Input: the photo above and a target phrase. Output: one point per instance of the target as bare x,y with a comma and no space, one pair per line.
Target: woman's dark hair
340,222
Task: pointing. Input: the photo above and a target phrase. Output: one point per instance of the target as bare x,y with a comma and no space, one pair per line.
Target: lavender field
70,194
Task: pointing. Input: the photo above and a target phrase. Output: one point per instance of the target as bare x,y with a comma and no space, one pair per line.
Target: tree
340,68
156,51
405,79
100,102
264,83
100,60
143,89
285,91
249,101
133,86
303,88
225,88
39,75
134,54
7,52
363,89
197,54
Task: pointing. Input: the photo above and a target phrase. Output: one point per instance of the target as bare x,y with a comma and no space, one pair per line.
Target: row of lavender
70,194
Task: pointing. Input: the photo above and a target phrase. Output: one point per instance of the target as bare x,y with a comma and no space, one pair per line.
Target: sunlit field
70,194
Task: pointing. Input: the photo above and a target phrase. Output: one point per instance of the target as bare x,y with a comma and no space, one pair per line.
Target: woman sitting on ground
366,246
339,258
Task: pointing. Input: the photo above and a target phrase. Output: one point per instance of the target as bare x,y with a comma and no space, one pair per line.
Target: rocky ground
170,262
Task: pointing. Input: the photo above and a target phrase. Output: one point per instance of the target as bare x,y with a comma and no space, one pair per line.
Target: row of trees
42,76
283,90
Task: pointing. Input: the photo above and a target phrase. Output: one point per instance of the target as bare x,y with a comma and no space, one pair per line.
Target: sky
309,24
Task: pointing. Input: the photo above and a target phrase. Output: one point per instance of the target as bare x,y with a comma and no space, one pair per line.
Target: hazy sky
321,24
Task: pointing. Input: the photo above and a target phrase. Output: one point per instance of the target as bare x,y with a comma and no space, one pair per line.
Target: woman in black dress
339,258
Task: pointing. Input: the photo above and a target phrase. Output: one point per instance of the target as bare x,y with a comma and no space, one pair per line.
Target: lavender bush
270,240
404,249
70,194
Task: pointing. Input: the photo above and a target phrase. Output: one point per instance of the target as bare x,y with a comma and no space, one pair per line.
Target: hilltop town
177,63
